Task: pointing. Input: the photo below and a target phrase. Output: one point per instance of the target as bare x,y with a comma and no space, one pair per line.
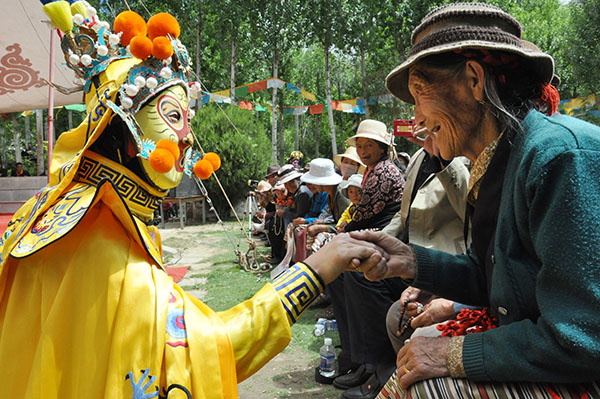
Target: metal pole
51,103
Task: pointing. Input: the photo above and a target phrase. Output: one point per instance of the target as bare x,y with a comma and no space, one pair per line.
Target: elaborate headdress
123,69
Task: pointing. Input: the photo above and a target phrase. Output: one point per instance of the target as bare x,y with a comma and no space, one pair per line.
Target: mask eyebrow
167,102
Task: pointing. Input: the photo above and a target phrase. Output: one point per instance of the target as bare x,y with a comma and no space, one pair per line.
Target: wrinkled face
312,187
166,117
443,105
291,185
354,194
369,151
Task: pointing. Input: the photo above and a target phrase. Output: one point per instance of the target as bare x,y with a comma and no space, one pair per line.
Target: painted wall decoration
16,72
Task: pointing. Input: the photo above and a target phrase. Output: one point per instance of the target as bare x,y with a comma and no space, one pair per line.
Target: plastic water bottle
327,366
320,327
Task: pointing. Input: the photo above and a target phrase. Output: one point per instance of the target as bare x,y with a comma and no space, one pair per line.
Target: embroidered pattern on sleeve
297,287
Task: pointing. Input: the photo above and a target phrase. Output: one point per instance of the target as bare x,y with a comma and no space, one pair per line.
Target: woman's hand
422,358
345,253
299,221
315,229
436,311
398,258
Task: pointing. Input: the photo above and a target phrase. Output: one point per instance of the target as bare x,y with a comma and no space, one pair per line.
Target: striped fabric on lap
453,388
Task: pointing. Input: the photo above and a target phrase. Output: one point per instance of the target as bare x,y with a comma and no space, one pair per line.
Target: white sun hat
322,172
371,129
354,180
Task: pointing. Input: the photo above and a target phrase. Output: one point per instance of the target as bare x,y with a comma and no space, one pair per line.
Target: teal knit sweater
545,283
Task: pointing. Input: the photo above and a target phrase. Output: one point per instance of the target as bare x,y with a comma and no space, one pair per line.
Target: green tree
238,136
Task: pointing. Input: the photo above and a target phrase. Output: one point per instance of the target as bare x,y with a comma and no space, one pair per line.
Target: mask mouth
188,142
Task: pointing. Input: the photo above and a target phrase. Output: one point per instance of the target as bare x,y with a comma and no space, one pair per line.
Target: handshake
374,253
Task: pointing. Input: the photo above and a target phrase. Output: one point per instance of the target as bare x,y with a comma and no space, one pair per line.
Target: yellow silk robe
86,310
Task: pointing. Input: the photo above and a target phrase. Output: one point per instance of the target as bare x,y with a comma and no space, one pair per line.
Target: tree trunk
363,68
317,134
328,94
70,118
27,130
3,163
198,53
232,74
282,158
17,139
297,127
39,133
274,103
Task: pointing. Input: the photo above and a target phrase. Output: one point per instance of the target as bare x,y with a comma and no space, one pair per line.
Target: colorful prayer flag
316,109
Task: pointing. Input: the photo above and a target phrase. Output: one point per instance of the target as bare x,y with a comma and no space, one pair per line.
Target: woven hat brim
397,80
331,180
337,160
352,140
290,176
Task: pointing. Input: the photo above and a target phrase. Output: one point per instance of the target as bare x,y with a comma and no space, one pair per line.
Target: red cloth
4,219
316,109
176,273
257,86
300,253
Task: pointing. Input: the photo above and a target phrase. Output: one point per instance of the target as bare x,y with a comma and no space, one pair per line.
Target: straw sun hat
322,172
460,26
351,154
371,129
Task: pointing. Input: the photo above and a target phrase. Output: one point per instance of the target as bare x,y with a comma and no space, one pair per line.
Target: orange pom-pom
161,160
203,169
140,47
163,24
170,146
162,48
131,24
214,159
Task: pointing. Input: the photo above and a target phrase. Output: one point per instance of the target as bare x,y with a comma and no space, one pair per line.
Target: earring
481,102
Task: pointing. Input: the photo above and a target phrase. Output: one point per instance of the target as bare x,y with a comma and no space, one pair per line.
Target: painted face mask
166,117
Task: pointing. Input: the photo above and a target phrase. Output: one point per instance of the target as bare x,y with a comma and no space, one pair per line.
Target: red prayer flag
257,86
316,109
246,105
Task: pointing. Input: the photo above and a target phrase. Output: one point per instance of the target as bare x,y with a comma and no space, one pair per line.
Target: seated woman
534,206
383,183
349,163
322,177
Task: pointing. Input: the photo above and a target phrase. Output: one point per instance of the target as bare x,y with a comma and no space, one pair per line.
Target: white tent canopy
25,58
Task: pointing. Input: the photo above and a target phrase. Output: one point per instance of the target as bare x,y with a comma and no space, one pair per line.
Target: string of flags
355,105
581,105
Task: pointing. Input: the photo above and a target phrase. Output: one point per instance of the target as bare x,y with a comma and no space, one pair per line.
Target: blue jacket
319,202
545,281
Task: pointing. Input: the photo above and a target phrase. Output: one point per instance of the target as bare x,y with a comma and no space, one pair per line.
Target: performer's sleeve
259,328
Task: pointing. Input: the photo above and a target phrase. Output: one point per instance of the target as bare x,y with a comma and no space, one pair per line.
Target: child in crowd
352,191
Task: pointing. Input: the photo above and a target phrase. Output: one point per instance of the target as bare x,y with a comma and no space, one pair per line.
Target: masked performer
86,308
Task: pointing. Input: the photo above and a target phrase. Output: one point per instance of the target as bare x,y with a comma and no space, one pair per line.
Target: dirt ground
290,375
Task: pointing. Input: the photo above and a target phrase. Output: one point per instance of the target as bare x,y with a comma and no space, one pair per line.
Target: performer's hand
342,227
280,212
422,358
398,258
344,253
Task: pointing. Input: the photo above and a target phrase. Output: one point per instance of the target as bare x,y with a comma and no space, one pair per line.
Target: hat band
458,34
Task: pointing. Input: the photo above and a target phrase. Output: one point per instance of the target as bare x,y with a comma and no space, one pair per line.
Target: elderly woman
483,93
383,183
